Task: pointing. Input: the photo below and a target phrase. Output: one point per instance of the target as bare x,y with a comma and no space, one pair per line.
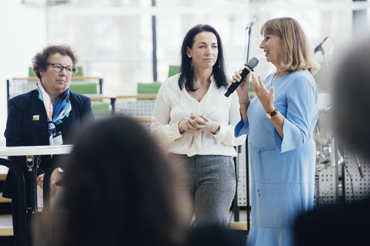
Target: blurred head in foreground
351,98
120,189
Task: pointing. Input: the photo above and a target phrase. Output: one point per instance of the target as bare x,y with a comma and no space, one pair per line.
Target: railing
14,90
21,192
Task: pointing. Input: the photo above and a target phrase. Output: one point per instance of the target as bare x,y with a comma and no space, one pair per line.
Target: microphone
319,47
251,23
247,69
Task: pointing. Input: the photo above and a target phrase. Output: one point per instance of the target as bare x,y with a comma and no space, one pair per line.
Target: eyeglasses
59,68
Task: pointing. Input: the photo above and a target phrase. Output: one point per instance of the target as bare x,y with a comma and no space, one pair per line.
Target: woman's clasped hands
55,177
198,123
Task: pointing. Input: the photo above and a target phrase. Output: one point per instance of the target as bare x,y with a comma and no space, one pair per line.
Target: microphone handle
244,74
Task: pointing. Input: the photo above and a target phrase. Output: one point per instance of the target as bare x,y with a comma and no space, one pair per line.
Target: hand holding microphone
243,88
247,69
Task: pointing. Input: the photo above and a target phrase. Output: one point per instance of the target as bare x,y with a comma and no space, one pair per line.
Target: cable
333,45
231,215
236,189
353,191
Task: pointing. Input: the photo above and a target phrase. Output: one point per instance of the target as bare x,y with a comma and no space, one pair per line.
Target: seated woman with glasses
48,115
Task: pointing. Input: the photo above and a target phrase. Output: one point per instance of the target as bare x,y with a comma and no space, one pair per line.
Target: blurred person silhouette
345,224
119,190
212,234
47,115
279,121
195,123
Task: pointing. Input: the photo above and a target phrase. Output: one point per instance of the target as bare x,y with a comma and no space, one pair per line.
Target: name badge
35,117
57,138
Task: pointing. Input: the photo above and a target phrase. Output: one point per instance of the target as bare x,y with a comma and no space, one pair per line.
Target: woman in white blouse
194,122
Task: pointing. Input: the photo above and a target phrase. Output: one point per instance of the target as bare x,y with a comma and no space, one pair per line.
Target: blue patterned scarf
61,109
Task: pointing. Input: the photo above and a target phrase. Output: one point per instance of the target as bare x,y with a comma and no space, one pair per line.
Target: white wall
23,33
122,55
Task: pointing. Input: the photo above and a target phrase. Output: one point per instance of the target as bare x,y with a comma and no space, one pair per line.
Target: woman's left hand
266,98
55,177
206,124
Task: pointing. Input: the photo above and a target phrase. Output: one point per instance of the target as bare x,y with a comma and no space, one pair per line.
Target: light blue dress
283,170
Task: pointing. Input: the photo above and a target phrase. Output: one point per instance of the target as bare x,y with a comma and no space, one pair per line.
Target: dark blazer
22,129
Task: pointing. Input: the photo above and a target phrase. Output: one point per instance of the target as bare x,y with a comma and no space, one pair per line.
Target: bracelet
272,114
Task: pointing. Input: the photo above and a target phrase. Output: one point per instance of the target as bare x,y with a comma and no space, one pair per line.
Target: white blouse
173,105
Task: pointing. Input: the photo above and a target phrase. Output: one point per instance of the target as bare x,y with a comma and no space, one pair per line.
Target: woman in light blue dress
279,121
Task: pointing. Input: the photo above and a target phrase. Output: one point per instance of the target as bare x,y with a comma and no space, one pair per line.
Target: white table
30,152
36,150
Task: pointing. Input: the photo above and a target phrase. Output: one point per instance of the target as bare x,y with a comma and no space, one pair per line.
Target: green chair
173,70
83,87
100,109
79,72
148,88
30,72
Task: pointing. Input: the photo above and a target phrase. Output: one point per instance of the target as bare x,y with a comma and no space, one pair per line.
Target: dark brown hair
187,74
41,58
119,189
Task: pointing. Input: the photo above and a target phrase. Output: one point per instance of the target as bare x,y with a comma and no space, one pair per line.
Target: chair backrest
173,70
148,88
30,72
79,71
83,87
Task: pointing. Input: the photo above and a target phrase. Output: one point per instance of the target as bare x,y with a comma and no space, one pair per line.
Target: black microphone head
318,48
252,62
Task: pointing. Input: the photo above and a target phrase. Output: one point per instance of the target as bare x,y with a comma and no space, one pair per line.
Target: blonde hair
296,49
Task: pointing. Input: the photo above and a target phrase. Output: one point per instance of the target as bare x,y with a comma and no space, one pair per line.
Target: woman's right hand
55,177
195,123
243,88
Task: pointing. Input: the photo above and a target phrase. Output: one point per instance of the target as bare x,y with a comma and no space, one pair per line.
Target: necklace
274,78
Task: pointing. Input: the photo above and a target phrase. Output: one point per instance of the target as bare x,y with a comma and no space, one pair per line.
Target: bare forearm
278,122
243,110
183,125
214,126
